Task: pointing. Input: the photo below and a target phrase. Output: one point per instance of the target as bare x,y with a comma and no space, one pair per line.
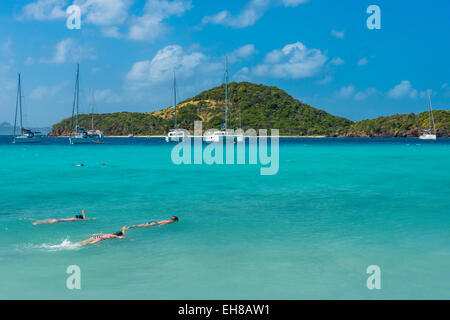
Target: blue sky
319,51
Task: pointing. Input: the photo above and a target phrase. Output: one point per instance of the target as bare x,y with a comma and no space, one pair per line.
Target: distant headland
7,129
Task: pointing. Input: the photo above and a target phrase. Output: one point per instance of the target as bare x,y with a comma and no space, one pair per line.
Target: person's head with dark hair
81,216
121,233
174,219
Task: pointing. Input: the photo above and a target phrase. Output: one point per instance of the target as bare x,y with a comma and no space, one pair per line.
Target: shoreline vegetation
256,106
284,137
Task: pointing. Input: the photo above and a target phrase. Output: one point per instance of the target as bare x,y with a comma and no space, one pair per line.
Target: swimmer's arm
139,226
164,222
67,220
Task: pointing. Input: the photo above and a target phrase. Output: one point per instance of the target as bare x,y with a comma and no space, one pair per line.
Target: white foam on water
65,245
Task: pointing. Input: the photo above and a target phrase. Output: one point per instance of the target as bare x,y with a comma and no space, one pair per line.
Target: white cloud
107,96
242,52
41,92
338,34
111,32
150,25
242,75
249,15
346,92
45,10
293,3
337,61
5,48
168,59
8,80
363,95
294,61
105,12
111,15
97,12
325,80
68,50
403,90
29,60
362,62
7,65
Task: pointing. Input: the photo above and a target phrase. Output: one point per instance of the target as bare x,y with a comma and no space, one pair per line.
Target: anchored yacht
219,135
176,134
26,136
430,133
81,136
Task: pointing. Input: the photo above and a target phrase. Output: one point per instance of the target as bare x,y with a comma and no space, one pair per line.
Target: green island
256,106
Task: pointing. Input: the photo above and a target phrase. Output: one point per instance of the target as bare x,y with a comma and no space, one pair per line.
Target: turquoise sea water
336,207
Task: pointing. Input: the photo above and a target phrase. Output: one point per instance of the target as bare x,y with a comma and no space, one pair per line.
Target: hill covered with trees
258,107
401,125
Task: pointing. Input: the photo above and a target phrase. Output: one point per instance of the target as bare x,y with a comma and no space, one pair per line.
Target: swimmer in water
154,223
80,217
96,238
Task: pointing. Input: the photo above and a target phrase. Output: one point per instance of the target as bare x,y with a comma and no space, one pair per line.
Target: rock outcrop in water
257,106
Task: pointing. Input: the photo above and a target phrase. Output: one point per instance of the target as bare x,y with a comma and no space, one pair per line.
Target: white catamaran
217,135
82,136
430,133
176,135
26,136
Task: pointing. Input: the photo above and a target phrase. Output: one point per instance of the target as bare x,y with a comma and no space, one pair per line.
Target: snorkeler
101,236
154,223
80,217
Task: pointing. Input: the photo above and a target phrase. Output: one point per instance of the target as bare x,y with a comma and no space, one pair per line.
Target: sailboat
27,136
176,135
430,133
216,136
82,136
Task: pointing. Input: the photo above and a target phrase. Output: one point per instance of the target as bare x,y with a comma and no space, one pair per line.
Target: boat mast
92,108
432,124
78,91
75,102
18,105
226,93
175,96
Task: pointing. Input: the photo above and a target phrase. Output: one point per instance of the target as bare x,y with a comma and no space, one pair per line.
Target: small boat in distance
430,133
27,136
216,136
82,136
176,135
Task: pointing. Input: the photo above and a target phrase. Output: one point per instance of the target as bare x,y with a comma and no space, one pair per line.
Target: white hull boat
27,136
82,136
430,134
